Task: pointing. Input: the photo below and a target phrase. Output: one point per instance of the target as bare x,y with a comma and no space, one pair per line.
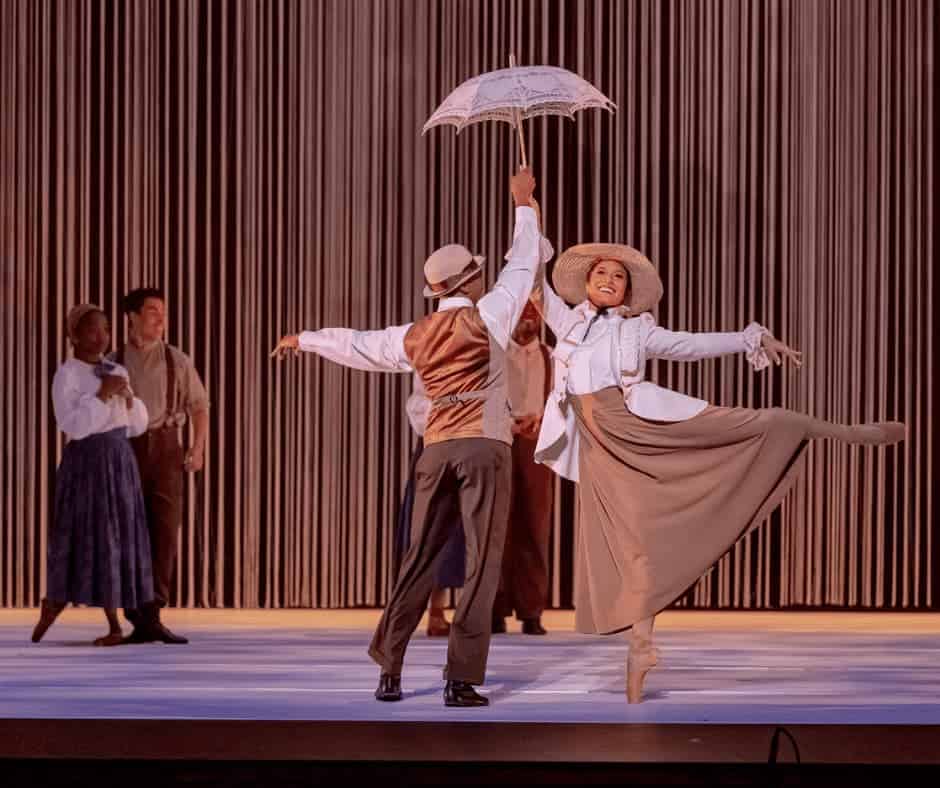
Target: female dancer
667,483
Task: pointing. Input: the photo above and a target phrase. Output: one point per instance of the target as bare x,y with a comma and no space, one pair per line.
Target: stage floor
872,671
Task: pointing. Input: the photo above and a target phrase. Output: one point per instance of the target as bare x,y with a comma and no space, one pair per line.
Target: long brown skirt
661,502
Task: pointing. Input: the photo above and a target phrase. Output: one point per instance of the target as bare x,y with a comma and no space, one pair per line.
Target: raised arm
501,307
558,316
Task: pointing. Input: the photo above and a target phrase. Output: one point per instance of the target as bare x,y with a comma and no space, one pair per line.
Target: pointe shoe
882,433
111,639
638,665
47,616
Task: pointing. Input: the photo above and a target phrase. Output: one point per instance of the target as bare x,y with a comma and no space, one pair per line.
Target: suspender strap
170,383
171,391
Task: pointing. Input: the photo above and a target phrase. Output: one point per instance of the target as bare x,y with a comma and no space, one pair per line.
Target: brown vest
463,370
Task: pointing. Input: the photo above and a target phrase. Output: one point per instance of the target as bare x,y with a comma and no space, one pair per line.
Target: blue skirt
450,571
99,547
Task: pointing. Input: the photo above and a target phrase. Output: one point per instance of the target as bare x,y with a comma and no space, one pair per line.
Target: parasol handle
518,114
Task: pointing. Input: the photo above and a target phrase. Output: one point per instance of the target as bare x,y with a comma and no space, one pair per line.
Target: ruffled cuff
753,351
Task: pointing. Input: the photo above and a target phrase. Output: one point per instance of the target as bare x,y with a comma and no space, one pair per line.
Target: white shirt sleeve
558,316
501,307
687,346
78,414
372,351
137,418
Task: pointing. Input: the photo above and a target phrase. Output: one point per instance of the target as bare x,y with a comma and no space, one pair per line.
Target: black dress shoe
153,632
533,626
140,634
499,625
460,693
160,633
389,688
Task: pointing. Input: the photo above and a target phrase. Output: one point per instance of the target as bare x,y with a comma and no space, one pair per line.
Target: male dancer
459,354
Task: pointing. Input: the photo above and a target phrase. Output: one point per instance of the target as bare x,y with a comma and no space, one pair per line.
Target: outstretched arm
755,341
371,351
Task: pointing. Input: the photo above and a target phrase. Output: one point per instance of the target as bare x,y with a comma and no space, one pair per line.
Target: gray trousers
478,473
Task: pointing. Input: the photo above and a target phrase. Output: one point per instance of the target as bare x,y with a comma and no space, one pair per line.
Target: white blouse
78,411
594,352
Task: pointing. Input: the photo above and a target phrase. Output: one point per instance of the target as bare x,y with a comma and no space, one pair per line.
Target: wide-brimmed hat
448,268
571,270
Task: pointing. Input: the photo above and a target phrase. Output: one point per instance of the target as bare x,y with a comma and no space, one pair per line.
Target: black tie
600,313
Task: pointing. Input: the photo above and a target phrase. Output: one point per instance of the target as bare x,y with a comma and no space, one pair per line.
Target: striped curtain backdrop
263,163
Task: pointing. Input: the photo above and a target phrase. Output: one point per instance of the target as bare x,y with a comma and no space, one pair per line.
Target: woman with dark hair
99,551
667,483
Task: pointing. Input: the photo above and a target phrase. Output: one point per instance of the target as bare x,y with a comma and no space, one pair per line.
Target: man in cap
459,354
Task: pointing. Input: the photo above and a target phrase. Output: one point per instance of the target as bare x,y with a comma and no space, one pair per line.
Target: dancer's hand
778,351
112,385
527,426
195,459
288,345
522,186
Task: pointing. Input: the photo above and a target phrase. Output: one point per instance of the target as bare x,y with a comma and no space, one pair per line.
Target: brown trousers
524,584
478,472
160,461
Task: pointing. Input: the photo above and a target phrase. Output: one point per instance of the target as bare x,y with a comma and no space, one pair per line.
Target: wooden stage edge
313,741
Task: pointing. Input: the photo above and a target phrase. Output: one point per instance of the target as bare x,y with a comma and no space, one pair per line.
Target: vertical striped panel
262,161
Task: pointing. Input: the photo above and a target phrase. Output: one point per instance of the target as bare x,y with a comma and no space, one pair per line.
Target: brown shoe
437,624
111,639
48,613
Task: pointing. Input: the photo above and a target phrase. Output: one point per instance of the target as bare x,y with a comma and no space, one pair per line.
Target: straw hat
448,268
571,270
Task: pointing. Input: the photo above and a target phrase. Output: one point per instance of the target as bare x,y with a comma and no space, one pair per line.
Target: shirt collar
453,302
587,309
144,350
